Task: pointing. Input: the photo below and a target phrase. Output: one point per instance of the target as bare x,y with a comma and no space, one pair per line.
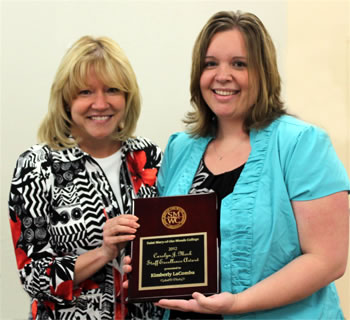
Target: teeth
99,117
225,92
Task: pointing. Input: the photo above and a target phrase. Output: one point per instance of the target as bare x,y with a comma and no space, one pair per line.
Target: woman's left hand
126,269
221,303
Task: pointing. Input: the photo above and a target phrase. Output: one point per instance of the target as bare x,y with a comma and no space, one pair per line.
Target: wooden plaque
175,251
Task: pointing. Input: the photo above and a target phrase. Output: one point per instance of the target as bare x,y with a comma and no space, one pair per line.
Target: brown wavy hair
261,63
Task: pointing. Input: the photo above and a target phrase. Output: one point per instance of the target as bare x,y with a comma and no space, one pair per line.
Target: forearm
88,264
117,232
296,281
323,230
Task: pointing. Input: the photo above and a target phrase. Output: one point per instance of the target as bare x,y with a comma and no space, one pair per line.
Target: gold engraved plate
174,217
178,261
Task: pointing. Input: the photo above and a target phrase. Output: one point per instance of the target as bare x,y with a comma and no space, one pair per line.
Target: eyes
236,64
240,64
113,90
84,92
89,92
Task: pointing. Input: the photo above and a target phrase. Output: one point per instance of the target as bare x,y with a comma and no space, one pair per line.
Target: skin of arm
323,227
116,233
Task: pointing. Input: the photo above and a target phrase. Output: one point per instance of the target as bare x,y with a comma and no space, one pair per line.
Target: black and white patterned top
222,184
56,206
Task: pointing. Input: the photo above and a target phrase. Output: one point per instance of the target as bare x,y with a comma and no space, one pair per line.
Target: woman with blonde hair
71,195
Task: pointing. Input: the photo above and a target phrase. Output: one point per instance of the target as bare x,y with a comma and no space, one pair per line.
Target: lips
99,118
225,92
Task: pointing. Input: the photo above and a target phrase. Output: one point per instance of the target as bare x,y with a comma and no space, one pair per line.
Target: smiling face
96,112
224,82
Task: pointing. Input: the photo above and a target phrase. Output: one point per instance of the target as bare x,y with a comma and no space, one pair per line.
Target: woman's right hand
116,233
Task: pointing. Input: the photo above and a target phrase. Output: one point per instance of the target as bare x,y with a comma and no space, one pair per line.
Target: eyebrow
235,57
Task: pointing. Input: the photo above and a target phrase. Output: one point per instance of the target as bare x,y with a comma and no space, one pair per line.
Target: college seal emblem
174,217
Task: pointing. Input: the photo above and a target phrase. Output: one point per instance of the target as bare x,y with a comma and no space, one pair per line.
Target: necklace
221,156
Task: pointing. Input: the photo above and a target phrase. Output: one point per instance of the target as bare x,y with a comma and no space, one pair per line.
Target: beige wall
317,78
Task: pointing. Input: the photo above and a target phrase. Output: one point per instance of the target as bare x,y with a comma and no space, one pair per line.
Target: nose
224,73
100,101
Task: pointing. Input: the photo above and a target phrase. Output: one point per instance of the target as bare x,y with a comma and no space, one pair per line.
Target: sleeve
313,169
162,176
44,274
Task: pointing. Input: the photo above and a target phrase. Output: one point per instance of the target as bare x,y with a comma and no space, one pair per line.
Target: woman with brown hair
282,191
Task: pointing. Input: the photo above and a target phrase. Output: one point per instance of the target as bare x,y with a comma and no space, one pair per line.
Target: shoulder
180,137
39,153
182,149
183,141
35,155
309,161
292,127
287,132
139,143
42,156
31,161
145,148
288,140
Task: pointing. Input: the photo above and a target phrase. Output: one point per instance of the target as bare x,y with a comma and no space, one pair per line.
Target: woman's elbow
341,270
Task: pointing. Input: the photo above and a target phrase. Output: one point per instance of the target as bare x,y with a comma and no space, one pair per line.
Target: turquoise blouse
289,160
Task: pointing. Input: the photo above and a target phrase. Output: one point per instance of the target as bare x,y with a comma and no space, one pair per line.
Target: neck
231,131
229,150
101,150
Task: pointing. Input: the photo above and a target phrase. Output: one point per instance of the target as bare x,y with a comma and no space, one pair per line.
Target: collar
75,153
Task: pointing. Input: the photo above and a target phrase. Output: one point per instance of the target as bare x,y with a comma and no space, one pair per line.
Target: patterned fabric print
222,184
56,205
198,181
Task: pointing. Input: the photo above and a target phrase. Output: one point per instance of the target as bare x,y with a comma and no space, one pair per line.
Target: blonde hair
262,65
111,66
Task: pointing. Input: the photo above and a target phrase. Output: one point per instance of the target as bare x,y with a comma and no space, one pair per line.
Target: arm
116,232
323,226
44,274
